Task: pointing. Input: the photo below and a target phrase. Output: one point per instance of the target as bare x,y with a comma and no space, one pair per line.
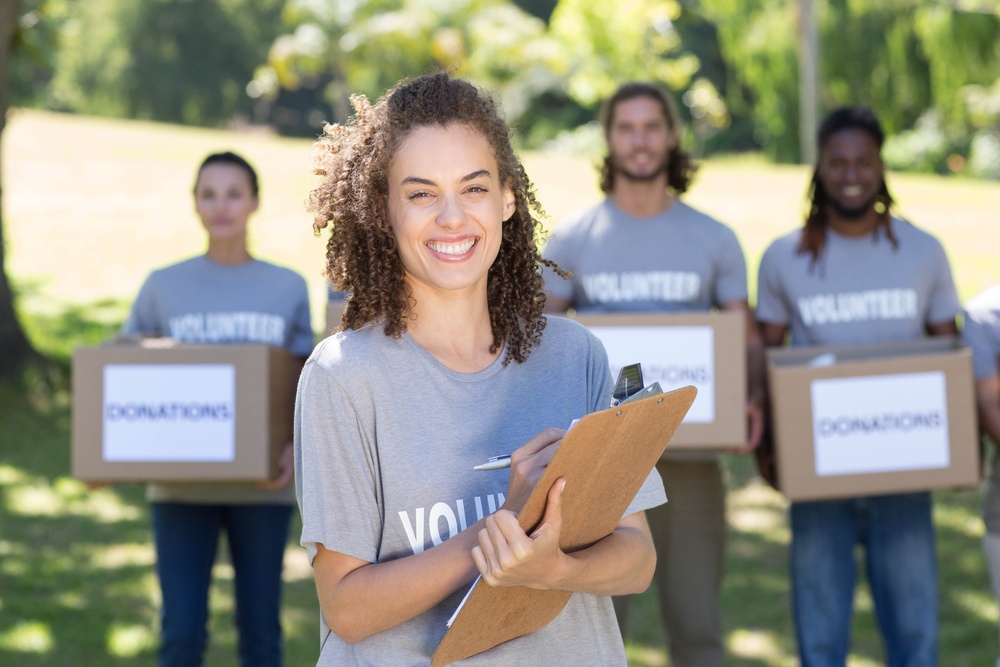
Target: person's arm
988,406
756,391
620,564
773,335
949,328
556,305
359,598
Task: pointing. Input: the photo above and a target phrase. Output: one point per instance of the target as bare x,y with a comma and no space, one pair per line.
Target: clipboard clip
628,384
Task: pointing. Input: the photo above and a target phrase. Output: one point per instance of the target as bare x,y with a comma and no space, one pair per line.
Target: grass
92,205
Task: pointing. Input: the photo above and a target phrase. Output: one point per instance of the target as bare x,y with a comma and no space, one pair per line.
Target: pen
494,463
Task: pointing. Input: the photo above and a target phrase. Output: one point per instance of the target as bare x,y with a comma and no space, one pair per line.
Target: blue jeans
898,535
187,537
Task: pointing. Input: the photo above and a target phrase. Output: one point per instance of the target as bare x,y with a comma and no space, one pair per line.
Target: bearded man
642,249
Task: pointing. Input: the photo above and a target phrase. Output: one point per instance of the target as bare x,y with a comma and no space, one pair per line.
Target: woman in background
224,297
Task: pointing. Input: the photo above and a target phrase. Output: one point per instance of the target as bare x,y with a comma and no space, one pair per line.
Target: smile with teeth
852,190
456,248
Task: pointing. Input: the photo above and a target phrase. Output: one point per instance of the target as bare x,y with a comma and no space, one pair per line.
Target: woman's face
447,207
224,200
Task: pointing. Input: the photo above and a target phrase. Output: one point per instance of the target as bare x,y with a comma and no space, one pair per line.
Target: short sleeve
303,338
732,275
944,304
771,305
982,334
142,318
336,482
558,250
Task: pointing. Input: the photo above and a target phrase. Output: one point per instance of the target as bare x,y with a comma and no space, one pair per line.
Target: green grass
92,205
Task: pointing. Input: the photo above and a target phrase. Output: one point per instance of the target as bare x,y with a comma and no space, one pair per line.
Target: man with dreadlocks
856,274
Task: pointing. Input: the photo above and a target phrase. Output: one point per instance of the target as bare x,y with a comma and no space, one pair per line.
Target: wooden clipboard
605,458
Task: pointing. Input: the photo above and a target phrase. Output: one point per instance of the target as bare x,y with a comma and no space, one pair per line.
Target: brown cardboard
265,379
729,398
793,382
604,458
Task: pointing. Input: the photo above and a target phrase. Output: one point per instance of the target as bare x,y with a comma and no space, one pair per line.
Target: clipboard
605,458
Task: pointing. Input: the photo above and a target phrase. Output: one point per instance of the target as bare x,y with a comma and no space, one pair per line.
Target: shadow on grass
77,579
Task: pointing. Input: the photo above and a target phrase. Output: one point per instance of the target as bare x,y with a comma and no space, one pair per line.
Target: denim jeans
898,536
187,537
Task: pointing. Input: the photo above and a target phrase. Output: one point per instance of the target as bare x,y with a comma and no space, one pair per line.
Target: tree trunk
15,349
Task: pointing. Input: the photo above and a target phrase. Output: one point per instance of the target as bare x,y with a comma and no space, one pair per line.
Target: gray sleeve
303,338
771,306
982,334
142,318
944,304
732,276
336,480
558,249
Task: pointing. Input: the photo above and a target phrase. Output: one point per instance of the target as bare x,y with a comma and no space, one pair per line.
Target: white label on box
674,356
885,423
169,412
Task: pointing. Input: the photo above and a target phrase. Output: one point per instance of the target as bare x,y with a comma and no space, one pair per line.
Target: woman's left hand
286,469
507,556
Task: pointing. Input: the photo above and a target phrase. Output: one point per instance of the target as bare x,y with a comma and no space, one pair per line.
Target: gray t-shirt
862,290
386,439
201,301
982,334
680,260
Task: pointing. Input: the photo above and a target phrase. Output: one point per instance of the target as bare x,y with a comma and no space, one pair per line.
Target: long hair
680,165
813,238
361,254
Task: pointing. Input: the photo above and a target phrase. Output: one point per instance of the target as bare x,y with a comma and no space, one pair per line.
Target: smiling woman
440,364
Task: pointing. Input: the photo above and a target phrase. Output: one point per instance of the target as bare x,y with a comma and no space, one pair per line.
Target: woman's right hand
527,463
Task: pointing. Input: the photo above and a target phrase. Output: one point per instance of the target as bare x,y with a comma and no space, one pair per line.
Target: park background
114,102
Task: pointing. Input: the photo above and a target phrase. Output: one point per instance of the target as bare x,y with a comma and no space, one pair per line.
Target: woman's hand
507,556
527,463
286,469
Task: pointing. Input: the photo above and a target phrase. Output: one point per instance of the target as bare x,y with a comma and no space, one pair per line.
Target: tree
15,348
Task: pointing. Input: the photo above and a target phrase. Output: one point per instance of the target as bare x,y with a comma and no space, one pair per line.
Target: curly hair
681,166
361,255
813,238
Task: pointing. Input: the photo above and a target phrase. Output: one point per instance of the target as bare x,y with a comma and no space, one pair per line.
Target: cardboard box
172,412
707,350
873,419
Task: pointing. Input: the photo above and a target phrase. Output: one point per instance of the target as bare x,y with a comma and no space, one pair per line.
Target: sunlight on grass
66,497
859,661
71,600
758,645
296,565
978,603
121,555
959,519
642,656
757,508
10,475
127,641
38,501
27,637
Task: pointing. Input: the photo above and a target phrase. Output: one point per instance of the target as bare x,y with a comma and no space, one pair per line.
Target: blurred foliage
929,69
182,61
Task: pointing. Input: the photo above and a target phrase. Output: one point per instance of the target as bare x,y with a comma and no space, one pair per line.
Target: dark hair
228,157
680,165
361,255
813,238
